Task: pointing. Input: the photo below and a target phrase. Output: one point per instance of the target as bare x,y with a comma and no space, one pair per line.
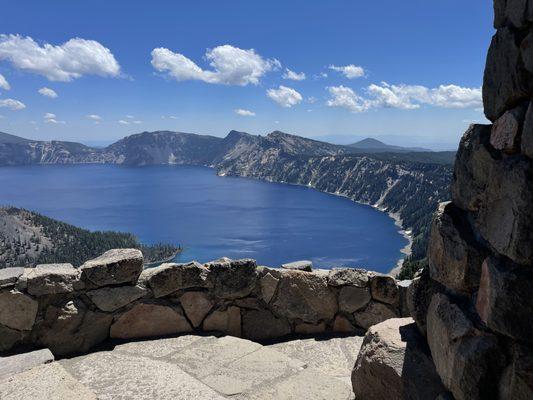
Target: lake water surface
209,216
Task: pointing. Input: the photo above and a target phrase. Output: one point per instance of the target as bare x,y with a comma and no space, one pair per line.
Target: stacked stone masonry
70,310
475,302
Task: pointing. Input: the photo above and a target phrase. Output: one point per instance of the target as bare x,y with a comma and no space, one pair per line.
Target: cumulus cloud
285,96
4,84
12,104
293,76
244,113
65,62
344,97
349,71
405,97
230,66
122,122
129,120
51,118
47,92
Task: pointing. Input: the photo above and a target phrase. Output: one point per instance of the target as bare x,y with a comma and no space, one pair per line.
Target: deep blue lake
209,216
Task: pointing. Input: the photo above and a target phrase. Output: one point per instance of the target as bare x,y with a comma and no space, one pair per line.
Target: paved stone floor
190,367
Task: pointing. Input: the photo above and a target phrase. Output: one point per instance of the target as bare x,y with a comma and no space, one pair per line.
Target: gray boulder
72,328
506,82
52,279
505,216
110,299
472,168
385,289
506,131
501,300
10,337
352,298
419,295
348,276
467,360
453,254
394,363
226,321
232,279
17,310
304,296
113,267
149,320
304,265
196,306
170,277
263,325
268,285
373,314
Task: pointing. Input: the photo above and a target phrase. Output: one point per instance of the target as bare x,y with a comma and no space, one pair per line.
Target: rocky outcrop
475,301
71,310
394,363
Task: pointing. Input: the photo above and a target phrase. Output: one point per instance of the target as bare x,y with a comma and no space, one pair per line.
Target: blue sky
408,72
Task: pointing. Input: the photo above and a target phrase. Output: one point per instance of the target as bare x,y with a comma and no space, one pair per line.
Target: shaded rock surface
394,363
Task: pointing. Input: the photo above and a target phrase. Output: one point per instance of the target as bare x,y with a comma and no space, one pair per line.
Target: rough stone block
304,265
348,276
353,298
505,217
263,325
385,289
504,299
147,320
473,163
17,310
224,321
10,337
467,361
304,296
507,129
232,279
52,279
394,364
9,276
170,277
341,324
419,296
113,267
506,82
268,284
373,314
196,306
110,299
453,254
309,329
517,378
72,328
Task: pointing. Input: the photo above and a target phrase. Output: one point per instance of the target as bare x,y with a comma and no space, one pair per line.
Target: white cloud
122,122
285,96
65,62
405,97
47,92
136,122
4,84
244,113
294,76
95,117
230,66
50,118
349,71
12,104
130,116
344,97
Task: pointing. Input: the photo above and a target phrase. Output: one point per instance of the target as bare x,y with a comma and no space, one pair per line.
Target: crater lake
208,215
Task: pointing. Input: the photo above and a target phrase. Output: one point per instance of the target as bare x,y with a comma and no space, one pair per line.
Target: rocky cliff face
474,303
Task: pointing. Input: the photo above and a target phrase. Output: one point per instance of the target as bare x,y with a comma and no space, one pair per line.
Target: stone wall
71,310
475,303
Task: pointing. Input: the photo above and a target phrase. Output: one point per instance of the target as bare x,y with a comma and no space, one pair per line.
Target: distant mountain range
370,145
401,181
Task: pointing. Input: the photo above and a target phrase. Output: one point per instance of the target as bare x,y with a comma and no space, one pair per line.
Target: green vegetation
45,240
